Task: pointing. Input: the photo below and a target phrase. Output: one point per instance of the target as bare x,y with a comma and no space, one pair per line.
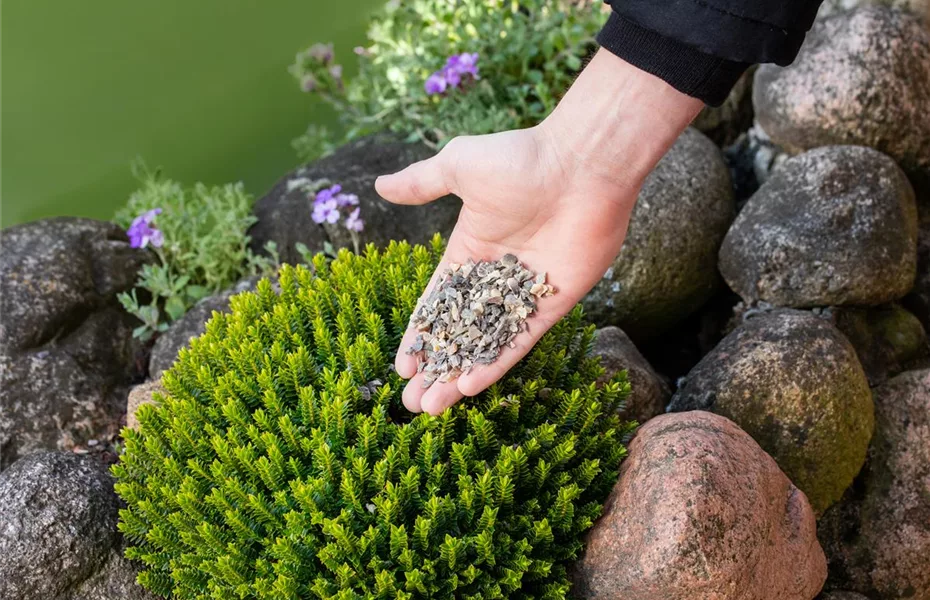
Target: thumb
419,183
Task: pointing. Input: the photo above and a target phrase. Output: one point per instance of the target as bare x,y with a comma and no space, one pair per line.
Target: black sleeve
701,47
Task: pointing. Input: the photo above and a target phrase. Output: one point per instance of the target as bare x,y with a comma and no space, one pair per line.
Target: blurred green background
198,87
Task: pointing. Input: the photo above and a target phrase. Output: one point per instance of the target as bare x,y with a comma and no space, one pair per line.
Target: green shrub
205,247
281,464
529,53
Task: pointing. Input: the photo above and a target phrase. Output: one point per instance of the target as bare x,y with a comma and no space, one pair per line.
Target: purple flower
325,212
467,63
344,200
353,222
321,53
436,83
327,193
336,71
308,83
457,67
142,233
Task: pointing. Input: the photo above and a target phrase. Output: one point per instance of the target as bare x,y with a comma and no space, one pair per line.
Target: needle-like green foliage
281,464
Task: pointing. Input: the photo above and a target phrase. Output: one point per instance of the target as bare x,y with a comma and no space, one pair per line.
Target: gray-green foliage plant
280,464
205,247
529,52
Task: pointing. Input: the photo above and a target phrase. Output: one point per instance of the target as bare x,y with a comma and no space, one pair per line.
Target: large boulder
888,339
862,77
667,267
66,347
792,381
191,325
877,539
648,391
919,8
918,300
701,512
284,212
58,515
115,580
835,225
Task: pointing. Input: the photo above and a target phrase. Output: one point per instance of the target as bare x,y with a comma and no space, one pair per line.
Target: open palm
523,196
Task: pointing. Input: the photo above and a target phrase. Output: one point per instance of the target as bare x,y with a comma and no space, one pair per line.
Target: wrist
617,121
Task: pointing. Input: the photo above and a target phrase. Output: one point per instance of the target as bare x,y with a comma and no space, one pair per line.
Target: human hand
544,195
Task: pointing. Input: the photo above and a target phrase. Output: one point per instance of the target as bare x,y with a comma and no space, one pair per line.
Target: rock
724,123
835,225
191,325
918,8
284,216
918,300
667,267
877,539
58,513
887,338
701,512
66,347
139,395
841,596
862,77
792,381
649,393
116,580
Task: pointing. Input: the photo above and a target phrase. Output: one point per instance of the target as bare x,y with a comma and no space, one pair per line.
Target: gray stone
66,347
918,300
58,516
887,339
648,391
792,381
833,226
918,8
701,512
877,538
191,325
841,596
862,77
667,267
115,580
284,215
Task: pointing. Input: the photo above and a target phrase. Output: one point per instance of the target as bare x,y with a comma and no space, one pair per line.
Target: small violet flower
329,203
321,53
436,83
457,67
325,212
353,222
141,232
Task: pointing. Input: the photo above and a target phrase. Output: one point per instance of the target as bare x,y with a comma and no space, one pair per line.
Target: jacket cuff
685,68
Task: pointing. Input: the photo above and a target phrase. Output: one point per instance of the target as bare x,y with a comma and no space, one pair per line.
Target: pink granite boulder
701,512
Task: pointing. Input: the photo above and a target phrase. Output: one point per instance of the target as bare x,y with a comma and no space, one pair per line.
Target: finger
439,397
419,183
482,376
406,364
413,394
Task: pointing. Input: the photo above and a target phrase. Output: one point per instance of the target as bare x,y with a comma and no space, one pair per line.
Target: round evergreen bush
281,463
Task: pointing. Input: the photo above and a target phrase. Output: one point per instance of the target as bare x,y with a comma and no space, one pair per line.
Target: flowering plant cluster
330,203
199,238
530,52
458,68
